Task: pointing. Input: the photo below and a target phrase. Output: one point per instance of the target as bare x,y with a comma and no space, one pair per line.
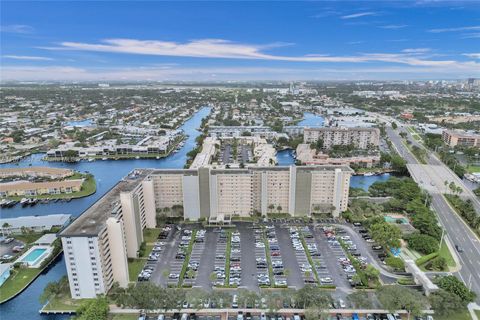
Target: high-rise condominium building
98,243
362,138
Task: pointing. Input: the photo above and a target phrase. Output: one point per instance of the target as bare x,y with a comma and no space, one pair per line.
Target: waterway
80,123
311,120
107,173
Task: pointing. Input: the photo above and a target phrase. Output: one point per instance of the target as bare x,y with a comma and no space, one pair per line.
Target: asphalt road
458,232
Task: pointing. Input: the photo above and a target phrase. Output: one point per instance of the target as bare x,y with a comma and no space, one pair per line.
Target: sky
229,40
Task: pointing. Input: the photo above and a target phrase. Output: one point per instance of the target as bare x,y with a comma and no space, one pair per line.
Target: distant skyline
212,41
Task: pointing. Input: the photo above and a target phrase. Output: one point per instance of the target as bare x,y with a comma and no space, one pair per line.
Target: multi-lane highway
431,177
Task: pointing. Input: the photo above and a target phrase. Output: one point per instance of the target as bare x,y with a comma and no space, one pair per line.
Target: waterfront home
28,189
4,272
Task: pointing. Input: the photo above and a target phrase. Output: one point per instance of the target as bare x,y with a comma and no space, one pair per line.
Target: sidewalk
471,308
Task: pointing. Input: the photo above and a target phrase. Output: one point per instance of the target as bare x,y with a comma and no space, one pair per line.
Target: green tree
360,300
93,309
312,296
395,297
446,303
386,234
394,125
53,288
453,285
314,313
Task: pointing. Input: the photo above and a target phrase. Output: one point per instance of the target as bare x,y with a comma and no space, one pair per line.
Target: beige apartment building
28,189
461,138
44,172
362,138
309,156
99,242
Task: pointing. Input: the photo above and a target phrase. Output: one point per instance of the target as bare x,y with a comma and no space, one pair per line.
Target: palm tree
6,225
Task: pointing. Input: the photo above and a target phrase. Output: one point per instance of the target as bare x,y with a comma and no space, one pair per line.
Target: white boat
369,174
24,201
91,159
104,158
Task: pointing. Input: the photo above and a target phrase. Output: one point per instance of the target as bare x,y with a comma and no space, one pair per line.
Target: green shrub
422,260
437,264
422,243
395,263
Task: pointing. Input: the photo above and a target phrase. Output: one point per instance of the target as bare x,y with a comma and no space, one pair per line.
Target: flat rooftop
92,220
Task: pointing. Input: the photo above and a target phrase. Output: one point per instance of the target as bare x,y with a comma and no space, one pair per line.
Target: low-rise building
27,188
309,156
362,138
4,272
461,138
34,172
34,223
238,131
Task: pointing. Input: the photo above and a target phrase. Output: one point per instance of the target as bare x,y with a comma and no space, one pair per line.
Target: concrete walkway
471,308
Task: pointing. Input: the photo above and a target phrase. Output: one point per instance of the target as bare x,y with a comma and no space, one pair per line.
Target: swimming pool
34,255
402,220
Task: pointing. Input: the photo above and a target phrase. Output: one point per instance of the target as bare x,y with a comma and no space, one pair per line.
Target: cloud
359,15
156,73
394,26
416,50
457,29
471,35
16,28
472,55
218,48
33,58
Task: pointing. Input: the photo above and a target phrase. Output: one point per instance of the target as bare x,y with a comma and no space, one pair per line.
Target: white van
235,301
184,317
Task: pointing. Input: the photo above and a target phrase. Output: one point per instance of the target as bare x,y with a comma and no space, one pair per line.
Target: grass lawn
444,252
473,169
477,312
28,237
150,235
124,317
465,315
64,302
134,268
19,279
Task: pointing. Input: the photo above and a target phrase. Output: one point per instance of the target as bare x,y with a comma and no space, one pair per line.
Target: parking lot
252,256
